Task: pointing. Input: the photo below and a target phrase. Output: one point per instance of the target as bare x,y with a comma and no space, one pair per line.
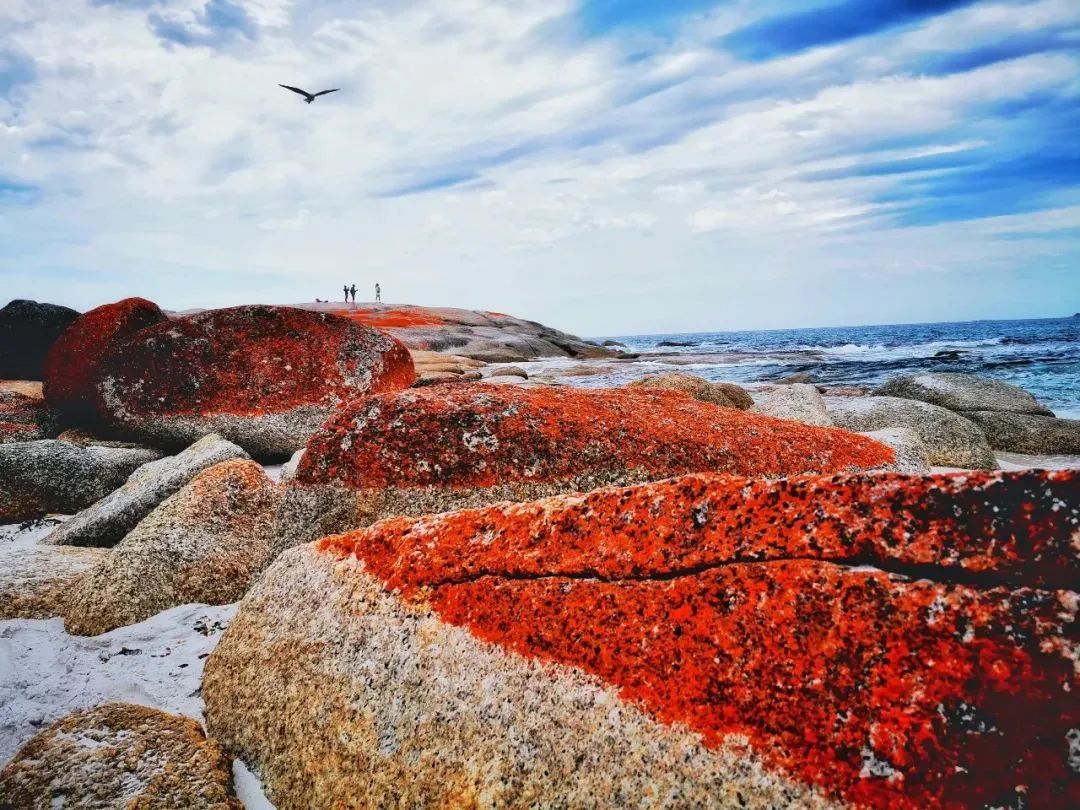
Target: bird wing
304,93
324,92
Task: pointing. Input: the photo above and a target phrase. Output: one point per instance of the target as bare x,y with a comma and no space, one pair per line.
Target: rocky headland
477,582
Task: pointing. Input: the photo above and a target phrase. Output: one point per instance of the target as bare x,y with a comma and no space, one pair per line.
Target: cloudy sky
606,166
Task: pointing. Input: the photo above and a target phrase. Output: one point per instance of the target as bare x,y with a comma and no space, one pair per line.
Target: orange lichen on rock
474,435
73,361
393,318
876,636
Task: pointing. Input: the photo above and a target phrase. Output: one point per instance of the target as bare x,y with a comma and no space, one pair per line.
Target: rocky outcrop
40,477
72,364
704,641
452,446
491,337
24,417
432,367
107,521
1028,433
911,454
727,394
119,755
262,377
963,393
202,545
950,439
27,330
799,402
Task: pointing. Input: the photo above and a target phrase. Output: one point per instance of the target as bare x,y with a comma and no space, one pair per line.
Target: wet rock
911,454
613,344
40,477
202,545
120,755
963,392
1028,433
262,377
24,417
27,330
73,363
453,446
107,521
951,440
799,377
799,402
876,640
727,394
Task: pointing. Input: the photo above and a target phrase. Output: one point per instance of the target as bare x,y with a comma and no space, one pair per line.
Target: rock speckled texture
950,439
36,579
40,477
889,641
24,417
73,363
463,445
800,402
1026,433
911,454
727,394
963,392
262,377
203,545
107,521
27,330
119,756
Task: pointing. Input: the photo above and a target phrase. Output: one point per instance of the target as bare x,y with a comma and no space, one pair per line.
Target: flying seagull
309,97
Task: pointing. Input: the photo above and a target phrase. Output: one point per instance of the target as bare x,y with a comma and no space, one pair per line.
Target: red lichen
73,363
475,435
391,317
724,604
249,360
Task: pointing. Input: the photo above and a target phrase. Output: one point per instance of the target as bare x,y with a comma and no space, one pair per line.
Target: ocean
1041,356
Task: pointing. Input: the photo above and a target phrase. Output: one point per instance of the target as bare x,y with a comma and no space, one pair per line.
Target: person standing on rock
346,288
378,293
353,291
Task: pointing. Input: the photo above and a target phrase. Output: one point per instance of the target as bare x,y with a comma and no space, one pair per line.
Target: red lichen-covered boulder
24,416
73,361
449,446
873,640
263,377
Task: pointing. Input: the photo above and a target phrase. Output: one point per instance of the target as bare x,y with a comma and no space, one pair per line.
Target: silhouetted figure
353,291
378,293
309,97
346,289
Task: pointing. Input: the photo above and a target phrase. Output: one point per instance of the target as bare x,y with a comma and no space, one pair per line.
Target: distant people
353,291
378,293
346,289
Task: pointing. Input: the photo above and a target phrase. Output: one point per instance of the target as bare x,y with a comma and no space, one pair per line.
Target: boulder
263,377
35,578
963,392
701,641
27,330
73,363
951,440
45,476
798,378
24,417
202,545
452,446
120,755
510,371
107,521
1028,433
727,394
799,402
911,454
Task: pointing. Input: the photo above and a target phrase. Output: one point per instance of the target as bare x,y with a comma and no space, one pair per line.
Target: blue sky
607,166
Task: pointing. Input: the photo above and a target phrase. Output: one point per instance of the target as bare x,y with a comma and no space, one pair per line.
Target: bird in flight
309,97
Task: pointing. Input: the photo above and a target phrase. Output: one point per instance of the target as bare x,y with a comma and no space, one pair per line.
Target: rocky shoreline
481,580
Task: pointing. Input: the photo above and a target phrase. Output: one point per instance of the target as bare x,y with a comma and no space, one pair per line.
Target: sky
604,166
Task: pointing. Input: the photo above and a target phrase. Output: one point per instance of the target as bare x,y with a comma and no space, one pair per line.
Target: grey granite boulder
106,522
204,544
35,578
963,392
911,454
1028,433
45,476
799,402
950,439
